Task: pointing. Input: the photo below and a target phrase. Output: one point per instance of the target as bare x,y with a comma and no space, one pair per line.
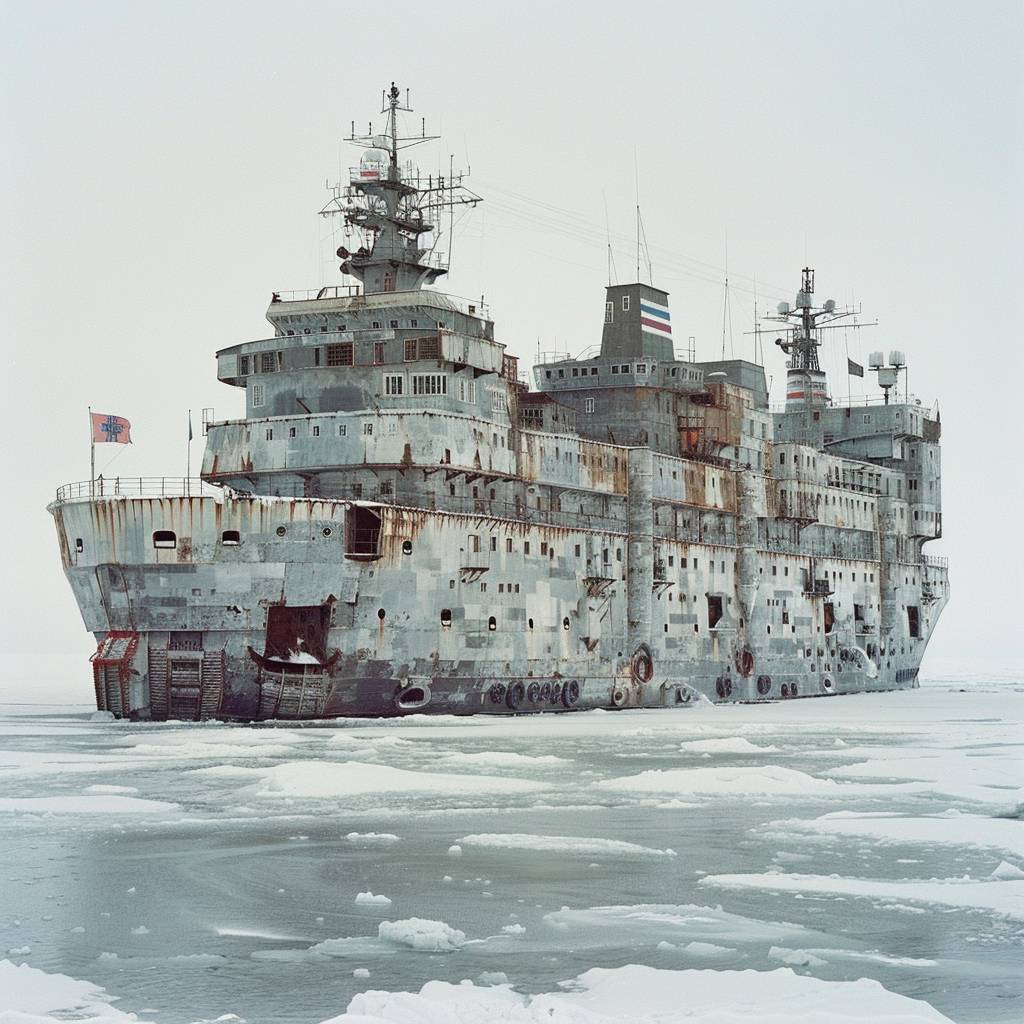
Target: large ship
400,524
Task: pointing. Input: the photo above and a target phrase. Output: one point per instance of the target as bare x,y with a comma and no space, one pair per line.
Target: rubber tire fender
533,692
641,665
514,697
570,693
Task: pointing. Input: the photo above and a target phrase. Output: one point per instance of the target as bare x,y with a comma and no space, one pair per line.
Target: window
414,323
314,430
342,429
367,429
609,312
230,537
471,392
375,324
446,618
340,355
394,323
625,303
243,365
714,609
267,362
378,353
393,384
164,539
641,367
410,349
589,405
270,434
497,400
259,396
429,384
79,545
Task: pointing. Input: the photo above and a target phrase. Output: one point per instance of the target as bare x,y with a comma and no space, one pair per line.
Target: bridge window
609,312
429,384
165,539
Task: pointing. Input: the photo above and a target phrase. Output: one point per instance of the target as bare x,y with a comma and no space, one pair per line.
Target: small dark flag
190,418
854,369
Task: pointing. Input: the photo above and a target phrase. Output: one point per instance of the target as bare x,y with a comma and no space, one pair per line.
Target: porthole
492,623
230,538
281,531
327,531
381,613
446,618
406,547
529,623
79,545
565,623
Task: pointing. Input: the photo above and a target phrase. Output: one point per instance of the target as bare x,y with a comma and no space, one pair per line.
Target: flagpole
92,457
188,459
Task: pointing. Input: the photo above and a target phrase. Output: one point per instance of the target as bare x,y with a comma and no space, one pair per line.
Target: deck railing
139,487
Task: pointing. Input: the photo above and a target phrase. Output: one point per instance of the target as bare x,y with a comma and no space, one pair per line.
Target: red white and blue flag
110,428
655,318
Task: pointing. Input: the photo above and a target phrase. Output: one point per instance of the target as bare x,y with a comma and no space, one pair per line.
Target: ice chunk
103,804
372,837
370,898
419,933
1006,871
796,957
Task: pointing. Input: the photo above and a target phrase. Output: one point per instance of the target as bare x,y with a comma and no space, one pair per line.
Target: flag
854,369
190,424
110,428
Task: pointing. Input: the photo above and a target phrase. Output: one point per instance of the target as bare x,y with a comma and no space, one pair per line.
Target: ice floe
647,995
950,828
583,846
1003,898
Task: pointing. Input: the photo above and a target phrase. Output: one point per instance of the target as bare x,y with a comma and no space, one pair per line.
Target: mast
395,216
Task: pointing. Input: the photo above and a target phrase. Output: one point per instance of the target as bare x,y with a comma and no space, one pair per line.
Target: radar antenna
395,211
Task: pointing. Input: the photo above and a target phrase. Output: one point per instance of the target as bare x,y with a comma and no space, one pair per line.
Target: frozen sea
739,863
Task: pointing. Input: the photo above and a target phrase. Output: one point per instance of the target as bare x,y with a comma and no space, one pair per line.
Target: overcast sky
164,164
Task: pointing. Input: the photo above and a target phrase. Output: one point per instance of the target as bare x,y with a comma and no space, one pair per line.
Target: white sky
164,165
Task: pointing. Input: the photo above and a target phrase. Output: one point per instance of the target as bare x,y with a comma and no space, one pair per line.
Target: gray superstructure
399,524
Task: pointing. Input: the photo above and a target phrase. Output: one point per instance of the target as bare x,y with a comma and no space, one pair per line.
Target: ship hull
297,616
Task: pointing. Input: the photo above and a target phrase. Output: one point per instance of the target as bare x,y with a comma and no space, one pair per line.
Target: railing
936,561
332,291
415,297
853,402
139,487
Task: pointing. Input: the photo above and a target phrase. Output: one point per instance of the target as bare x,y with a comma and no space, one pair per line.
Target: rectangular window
266,362
270,434
460,391
589,405
410,349
340,355
314,430
609,312
243,365
342,429
367,429
497,400
471,392
291,431
259,396
429,384
474,543
393,384
378,353
625,303
375,325
394,323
